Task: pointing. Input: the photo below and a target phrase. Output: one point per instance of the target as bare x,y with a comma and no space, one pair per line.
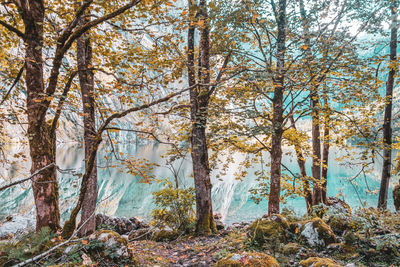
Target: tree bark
277,106
199,99
315,131
303,172
41,144
316,148
325,150
86,80
387,127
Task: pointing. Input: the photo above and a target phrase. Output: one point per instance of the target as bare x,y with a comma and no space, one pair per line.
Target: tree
200,93
86,80
277,107
387,121
39,96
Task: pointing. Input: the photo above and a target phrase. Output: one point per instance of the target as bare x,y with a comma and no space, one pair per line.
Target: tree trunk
199,98
277,106
325,150
387,128
41,144
86,79
303,172
316,148
315,132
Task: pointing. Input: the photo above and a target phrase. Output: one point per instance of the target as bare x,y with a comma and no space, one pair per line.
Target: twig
29,178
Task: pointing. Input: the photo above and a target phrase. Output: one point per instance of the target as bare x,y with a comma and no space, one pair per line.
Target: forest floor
330,237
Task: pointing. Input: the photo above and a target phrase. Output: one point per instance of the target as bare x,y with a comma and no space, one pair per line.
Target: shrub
175,208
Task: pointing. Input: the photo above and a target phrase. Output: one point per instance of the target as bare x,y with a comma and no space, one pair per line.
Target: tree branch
221,72
27,179
61,102
63,47
16,80
12,29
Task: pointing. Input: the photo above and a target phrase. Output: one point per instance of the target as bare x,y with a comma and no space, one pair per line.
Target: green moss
319,262
291,248
68,229
275,226
251,259
324,231
206,226
117,237
165,235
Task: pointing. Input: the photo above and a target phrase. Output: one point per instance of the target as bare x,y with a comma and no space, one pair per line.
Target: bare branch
27,179
14,83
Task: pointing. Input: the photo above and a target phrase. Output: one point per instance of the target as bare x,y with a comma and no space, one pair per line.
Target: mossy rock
165,235
272,227
317,233
396,197
338,204
111,236
319,262
251,259
155,234
291,248
116,244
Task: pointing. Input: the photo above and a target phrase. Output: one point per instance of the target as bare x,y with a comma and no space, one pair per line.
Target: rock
272,227
86,260
164,234
291,248
113,239
317,233
238,226
119,225
154,234
338,204
319,262
396,197
255,259
140,234
218,221
16,226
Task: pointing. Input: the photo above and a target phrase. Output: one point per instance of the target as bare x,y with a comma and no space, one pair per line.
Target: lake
121,194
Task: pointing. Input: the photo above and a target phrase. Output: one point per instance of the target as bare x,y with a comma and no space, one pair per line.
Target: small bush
175,208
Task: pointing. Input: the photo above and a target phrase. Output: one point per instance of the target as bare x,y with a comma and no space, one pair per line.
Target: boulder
268,228
252,259
120,225
319,262
16,226
338,204
154,234
112,239
164,234
316,233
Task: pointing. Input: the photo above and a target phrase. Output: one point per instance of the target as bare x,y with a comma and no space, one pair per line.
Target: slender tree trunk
302,166
41,144
277,106
315,132
86,79
199,98
325,150
316,148
387,128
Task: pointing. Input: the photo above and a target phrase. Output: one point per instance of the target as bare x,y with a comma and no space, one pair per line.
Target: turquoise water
122,194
